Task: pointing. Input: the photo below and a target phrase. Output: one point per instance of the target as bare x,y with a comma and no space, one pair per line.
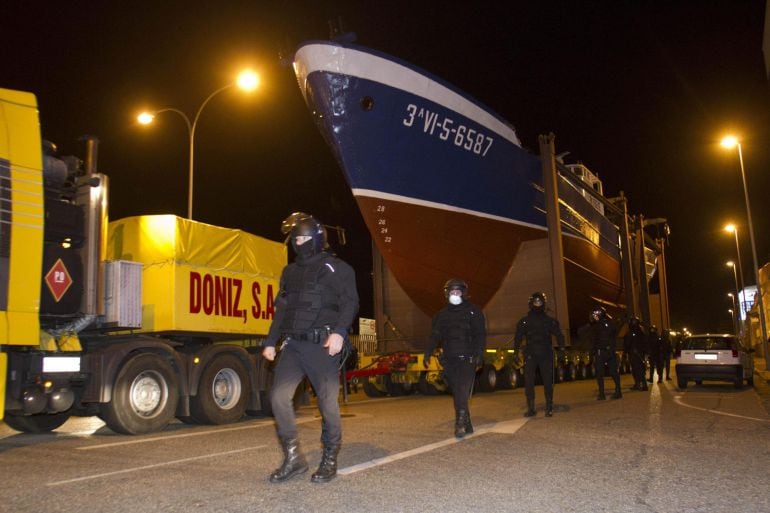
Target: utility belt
315,335
462,357
605,349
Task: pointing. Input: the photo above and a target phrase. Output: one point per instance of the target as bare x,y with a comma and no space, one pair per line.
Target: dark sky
638,91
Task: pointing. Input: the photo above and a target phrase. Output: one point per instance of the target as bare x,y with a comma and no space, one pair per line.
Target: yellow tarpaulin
199,278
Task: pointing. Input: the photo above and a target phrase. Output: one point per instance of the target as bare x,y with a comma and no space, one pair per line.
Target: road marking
508,427
678,400
156,465
263,423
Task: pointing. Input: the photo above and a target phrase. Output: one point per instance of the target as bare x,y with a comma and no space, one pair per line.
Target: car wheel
699,382
681,383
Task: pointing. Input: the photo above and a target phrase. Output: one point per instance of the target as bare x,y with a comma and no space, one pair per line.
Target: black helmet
537,301
300,224
597,314
456,284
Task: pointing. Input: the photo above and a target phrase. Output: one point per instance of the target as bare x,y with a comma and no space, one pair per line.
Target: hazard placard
58,280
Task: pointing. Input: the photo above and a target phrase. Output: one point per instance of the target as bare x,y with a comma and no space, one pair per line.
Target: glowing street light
731,141
247,81
731,228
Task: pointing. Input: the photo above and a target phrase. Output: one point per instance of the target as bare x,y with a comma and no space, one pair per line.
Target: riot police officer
314,310
635,345
656,354
460,327
537,328
603,333
666,352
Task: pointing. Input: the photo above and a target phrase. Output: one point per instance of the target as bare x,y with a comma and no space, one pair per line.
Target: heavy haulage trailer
402,372
137,321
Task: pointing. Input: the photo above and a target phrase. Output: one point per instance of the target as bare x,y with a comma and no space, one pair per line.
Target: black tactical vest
310,302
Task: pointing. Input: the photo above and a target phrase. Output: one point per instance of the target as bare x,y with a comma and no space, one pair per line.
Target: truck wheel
40,423
487,378
144,397
222,391
394,388
506,377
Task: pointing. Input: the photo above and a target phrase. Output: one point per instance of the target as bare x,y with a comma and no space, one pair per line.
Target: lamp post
247,80
731,142
731,228
735,276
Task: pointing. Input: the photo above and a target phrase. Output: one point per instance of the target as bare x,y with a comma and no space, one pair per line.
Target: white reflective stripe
61,364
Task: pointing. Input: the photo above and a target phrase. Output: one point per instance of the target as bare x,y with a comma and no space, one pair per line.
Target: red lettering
208,294
237,312
195,292
257,308
270,308
220,295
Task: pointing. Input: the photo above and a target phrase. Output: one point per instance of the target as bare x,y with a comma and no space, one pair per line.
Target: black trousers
544,362
297,360
604,356
656,364
460,373
637,367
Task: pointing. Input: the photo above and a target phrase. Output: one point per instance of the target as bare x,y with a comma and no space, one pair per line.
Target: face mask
455,300
305,249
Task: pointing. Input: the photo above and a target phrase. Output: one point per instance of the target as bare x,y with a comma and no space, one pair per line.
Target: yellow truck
139,320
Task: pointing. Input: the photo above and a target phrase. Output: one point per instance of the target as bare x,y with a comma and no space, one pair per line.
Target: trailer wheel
144,397
40,423
371,390
222,392
487,378
507,378
431,383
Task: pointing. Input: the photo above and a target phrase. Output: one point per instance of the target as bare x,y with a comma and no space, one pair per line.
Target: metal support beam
553,222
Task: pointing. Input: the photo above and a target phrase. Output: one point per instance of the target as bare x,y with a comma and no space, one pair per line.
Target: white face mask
455,300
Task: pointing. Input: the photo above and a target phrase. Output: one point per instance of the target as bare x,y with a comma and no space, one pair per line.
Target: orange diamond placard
58,280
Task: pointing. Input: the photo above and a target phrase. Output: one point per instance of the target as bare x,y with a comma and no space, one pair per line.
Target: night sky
640,92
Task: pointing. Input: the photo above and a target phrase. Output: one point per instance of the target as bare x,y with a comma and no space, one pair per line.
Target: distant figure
666,352
460,327
537,328
656,355
603,333
314,309
635,345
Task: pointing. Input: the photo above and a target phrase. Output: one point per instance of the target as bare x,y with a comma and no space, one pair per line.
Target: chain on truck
137,321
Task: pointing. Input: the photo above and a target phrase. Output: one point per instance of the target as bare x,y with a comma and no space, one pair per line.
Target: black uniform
635,345
603,335
461,330
317,297
537,328
656,355
666,351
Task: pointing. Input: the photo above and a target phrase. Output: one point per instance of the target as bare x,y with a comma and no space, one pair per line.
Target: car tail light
735,353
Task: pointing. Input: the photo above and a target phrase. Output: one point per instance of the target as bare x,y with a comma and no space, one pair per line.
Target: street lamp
735,275
247,80
731,228
731,142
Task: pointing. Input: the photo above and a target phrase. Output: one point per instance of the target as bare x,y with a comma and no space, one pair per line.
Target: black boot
549,408
601,396
293,461
468,425
460,416
327,469
617,394
530,408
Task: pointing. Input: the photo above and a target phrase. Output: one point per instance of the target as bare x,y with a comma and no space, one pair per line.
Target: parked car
714,357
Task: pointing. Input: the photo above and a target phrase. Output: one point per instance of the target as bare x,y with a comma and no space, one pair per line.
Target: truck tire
40,423
371,390
431,383
223,391
487,378
507,378
144,396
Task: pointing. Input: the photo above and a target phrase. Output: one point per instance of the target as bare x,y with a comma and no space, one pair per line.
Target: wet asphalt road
703,450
